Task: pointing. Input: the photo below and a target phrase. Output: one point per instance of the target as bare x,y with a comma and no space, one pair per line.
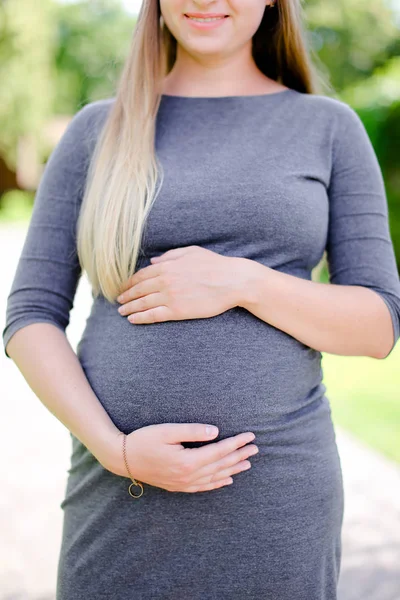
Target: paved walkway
34,450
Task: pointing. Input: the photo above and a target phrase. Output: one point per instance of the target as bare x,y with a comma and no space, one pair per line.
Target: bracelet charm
134,481
138,484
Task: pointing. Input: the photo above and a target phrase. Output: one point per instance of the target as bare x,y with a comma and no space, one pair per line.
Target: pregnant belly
233,370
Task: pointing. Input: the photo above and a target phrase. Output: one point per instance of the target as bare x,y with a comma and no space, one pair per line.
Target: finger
227,462
140,275
243,465
141,304
153,315
217,450
208,486
169,255
140,289
174,433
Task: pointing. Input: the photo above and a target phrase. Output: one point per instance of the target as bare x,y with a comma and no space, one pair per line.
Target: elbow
27,305
384,350
382,354
29,319
387,330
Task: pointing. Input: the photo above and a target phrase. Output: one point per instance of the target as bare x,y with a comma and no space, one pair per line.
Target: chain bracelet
134,481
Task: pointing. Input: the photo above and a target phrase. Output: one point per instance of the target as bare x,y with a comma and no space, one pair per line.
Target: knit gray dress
276,178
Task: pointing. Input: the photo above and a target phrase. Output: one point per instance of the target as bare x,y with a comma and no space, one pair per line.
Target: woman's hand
183,283
156,456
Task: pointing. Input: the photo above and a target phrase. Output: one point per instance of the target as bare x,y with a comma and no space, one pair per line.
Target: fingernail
211,430
254,451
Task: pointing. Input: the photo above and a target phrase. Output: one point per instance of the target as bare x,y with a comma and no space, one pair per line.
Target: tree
93,38
26,71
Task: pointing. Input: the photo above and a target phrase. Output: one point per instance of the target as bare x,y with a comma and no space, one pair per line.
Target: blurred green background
57,56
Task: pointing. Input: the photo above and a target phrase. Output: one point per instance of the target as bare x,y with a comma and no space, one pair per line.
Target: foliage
16,206
25,70
377,101
73,52
93,37
351,37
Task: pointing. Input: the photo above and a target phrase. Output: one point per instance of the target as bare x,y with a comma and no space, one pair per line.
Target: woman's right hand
156,456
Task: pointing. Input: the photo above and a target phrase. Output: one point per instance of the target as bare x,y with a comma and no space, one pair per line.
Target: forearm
339,319
52,370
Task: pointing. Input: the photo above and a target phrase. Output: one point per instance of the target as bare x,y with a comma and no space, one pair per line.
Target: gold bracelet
135,481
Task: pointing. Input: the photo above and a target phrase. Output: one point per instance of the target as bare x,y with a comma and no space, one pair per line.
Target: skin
169,290
339,319
218,61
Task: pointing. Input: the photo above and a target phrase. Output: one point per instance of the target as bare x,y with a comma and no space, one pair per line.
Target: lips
205,16
203,21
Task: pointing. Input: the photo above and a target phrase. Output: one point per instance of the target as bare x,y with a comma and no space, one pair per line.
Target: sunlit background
54,58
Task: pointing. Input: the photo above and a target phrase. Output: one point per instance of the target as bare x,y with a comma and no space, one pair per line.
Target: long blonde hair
121,183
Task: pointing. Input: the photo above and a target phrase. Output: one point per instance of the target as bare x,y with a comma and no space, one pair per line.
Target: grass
365,398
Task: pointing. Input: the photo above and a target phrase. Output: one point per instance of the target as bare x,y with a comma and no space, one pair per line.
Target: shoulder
97,111
93,110
337,114
339,123
85,125
92,115
75,148
328,105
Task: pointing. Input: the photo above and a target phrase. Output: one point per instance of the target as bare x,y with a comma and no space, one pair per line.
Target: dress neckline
270,95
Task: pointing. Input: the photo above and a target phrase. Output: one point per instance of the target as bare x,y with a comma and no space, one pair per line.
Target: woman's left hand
183,283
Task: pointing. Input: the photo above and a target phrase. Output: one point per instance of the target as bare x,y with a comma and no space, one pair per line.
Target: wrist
247,274
110,452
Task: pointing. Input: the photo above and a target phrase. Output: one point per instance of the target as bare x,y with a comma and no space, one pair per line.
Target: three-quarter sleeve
359,246
48,270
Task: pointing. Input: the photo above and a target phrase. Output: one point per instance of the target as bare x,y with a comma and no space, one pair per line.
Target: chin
206,47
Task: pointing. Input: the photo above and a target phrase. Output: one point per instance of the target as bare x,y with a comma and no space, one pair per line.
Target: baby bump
233,370
277,519
297,471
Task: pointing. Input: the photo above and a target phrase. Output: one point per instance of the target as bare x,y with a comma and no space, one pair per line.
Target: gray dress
274,178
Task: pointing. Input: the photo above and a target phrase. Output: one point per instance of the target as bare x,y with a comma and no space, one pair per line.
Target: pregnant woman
198,200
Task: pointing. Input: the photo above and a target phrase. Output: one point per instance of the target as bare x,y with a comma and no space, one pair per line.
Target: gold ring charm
136,483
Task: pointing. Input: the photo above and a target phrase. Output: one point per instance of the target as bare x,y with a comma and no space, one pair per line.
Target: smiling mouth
206,19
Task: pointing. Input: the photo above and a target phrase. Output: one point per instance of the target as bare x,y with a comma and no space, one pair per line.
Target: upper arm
48,269
359,245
